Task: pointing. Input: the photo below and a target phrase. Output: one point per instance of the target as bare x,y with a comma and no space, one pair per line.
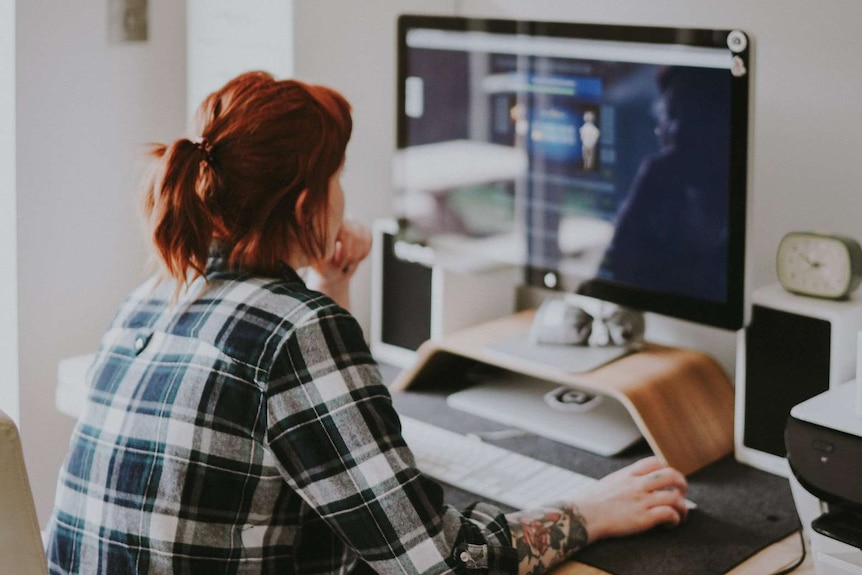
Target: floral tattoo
547,536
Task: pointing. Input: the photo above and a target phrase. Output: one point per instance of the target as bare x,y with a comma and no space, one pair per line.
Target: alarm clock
819,265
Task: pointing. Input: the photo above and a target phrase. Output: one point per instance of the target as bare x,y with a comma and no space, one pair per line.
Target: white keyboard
489,471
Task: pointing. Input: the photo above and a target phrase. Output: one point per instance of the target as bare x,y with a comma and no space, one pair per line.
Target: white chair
21,550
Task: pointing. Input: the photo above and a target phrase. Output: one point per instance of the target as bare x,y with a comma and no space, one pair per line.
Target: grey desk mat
741,510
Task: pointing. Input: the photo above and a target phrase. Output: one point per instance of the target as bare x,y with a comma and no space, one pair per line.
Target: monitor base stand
566,358
602,426
680,399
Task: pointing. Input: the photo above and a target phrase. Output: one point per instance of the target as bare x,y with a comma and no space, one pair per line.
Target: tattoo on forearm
546,536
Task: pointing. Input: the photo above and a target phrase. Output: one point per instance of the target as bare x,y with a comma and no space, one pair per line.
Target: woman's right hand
352,245
641,496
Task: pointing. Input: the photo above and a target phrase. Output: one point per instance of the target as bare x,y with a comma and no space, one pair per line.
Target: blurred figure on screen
671,231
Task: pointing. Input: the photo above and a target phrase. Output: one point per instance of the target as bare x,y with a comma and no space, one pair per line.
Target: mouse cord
798,562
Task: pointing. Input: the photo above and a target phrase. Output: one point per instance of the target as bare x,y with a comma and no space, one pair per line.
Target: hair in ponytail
262,143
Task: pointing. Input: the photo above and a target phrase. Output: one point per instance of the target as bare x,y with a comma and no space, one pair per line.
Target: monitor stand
596,423
680,399
566,358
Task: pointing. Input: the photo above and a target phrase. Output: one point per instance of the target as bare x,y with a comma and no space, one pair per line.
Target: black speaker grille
406,305
786,362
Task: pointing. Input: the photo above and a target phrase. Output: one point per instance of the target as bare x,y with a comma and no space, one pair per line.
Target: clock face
817,265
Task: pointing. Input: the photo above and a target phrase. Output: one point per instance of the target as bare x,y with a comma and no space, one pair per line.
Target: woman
236,421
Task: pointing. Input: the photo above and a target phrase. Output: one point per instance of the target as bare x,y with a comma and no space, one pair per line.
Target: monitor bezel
726,315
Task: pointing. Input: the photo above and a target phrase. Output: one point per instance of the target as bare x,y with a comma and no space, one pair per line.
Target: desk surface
772,559
738,505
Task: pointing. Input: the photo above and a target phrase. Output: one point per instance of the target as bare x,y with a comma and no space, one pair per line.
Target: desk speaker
794,348
420,293
401,296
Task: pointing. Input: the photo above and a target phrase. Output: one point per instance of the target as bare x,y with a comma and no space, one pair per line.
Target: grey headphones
578,320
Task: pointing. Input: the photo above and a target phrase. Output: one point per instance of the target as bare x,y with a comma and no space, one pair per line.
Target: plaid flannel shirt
246,429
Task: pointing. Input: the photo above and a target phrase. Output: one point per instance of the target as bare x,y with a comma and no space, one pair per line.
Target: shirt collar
217,262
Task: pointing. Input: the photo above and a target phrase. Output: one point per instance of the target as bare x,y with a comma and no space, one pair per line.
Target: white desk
71,393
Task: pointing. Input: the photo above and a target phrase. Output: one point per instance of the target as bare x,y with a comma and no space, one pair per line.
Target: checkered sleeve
338,443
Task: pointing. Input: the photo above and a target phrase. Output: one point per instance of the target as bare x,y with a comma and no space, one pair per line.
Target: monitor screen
607,160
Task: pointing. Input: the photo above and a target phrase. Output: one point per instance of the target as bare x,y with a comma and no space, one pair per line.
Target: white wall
226,38
8,225
85,110
807,121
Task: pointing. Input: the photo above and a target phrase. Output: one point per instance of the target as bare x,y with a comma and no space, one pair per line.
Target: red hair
262,143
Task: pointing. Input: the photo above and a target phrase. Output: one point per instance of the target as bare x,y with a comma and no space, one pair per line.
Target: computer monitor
609,161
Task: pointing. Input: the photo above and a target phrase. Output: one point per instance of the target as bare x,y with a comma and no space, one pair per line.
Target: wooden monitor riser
680,399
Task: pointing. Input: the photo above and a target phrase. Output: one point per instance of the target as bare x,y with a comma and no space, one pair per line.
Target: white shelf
443,166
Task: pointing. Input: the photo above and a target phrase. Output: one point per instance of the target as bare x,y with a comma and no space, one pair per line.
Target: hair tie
204,146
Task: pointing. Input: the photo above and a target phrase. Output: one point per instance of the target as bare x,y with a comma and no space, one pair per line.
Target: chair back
21,550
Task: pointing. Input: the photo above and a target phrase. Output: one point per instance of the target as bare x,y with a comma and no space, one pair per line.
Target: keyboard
487,470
